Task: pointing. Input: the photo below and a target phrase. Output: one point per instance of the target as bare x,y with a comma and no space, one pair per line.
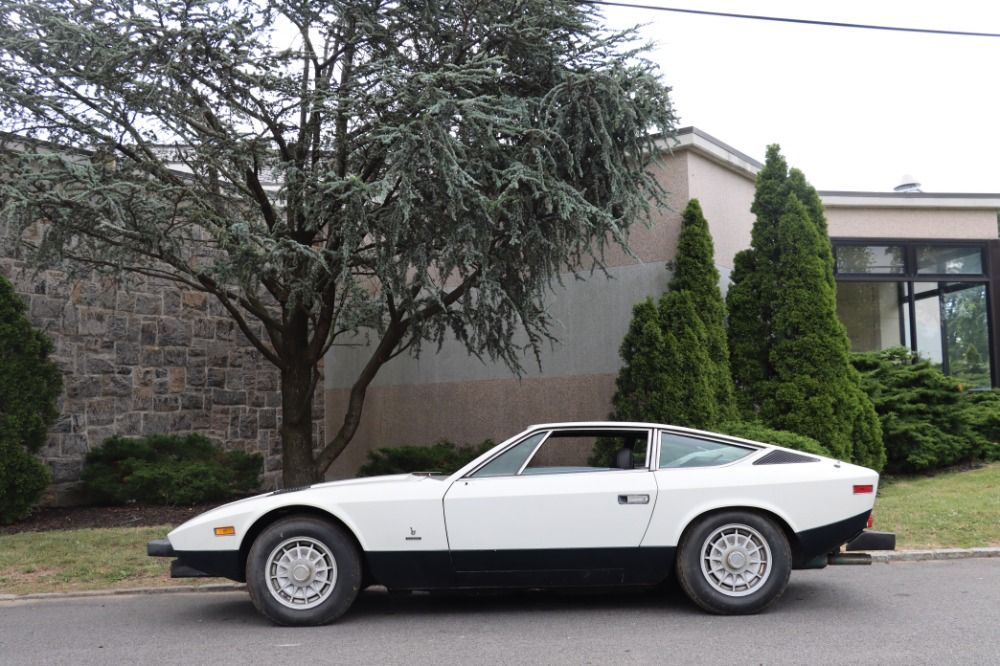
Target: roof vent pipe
908,184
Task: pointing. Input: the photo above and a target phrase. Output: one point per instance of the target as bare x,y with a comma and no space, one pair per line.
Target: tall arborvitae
695,274
637,396
675,353
688,395
789,353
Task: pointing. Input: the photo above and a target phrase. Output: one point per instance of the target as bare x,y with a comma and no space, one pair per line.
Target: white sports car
567,505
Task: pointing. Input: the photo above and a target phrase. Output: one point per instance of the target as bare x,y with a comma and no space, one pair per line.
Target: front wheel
302,570
734,562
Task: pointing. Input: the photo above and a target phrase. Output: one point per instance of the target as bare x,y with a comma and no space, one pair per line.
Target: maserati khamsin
567,505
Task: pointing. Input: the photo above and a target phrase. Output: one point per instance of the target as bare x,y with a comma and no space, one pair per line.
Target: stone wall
147,358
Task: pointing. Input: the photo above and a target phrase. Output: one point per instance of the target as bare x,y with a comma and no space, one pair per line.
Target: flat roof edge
982,201
692,138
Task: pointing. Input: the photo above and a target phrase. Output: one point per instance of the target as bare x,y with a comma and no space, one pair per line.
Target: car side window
685,451
567,451
510,461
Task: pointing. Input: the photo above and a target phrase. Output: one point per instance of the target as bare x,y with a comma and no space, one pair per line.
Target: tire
303,571
734,563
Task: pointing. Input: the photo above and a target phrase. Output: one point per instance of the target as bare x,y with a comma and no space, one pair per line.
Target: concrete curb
173,589
887,557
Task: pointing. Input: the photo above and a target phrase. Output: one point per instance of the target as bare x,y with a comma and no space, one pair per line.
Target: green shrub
29,386
443,458
759,432
982,410
168,469
928,421
23,479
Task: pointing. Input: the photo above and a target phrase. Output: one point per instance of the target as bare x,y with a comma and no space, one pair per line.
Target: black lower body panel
819,541
870,540
201,563
590,567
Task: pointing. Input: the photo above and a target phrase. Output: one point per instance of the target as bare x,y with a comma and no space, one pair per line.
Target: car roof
625,425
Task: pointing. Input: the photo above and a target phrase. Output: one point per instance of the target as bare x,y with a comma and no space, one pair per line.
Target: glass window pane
953,329
876,314
967,333
953,260
568,451
885,259
683,451
928,321
510,461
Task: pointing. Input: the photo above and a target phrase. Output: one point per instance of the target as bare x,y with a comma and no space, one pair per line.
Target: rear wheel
302,570
734,562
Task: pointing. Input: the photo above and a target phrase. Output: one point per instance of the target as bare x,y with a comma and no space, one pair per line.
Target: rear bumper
865,541
847,552
869,540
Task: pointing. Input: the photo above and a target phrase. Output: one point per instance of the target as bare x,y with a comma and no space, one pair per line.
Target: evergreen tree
695,274
688,395
637,389
789,352
29,386
676,358
405,172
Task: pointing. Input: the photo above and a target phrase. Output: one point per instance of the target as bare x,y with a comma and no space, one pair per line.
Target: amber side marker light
861,490
225,531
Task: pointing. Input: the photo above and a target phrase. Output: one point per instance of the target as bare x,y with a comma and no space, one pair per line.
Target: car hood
332,497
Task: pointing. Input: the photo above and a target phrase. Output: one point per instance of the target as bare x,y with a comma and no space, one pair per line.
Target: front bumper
200,563
160,548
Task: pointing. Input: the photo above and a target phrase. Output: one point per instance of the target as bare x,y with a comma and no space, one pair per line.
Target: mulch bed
87,517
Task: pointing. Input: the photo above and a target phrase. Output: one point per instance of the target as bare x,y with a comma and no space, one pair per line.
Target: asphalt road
939,612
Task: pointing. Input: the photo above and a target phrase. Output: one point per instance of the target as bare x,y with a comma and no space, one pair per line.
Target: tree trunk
296,426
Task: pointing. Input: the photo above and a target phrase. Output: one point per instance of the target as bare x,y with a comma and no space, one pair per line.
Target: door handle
633,499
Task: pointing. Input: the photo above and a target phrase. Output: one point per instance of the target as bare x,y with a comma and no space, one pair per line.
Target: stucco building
913,268
917,269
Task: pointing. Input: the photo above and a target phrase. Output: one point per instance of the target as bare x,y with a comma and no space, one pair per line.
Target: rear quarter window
680,451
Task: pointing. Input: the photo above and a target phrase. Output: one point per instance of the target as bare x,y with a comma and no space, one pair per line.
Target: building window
932,298
871,259
947,260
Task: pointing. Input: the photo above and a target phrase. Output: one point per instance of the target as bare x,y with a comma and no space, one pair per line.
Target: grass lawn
76,560
949,510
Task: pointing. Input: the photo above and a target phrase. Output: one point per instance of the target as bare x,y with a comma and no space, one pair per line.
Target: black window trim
910,261
990,277
577,431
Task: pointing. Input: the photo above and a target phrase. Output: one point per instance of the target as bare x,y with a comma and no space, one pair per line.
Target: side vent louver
784,458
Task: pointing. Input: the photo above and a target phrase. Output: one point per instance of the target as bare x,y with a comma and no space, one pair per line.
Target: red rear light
871,520
861,490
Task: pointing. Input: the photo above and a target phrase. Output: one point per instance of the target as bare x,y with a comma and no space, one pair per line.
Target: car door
560,507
